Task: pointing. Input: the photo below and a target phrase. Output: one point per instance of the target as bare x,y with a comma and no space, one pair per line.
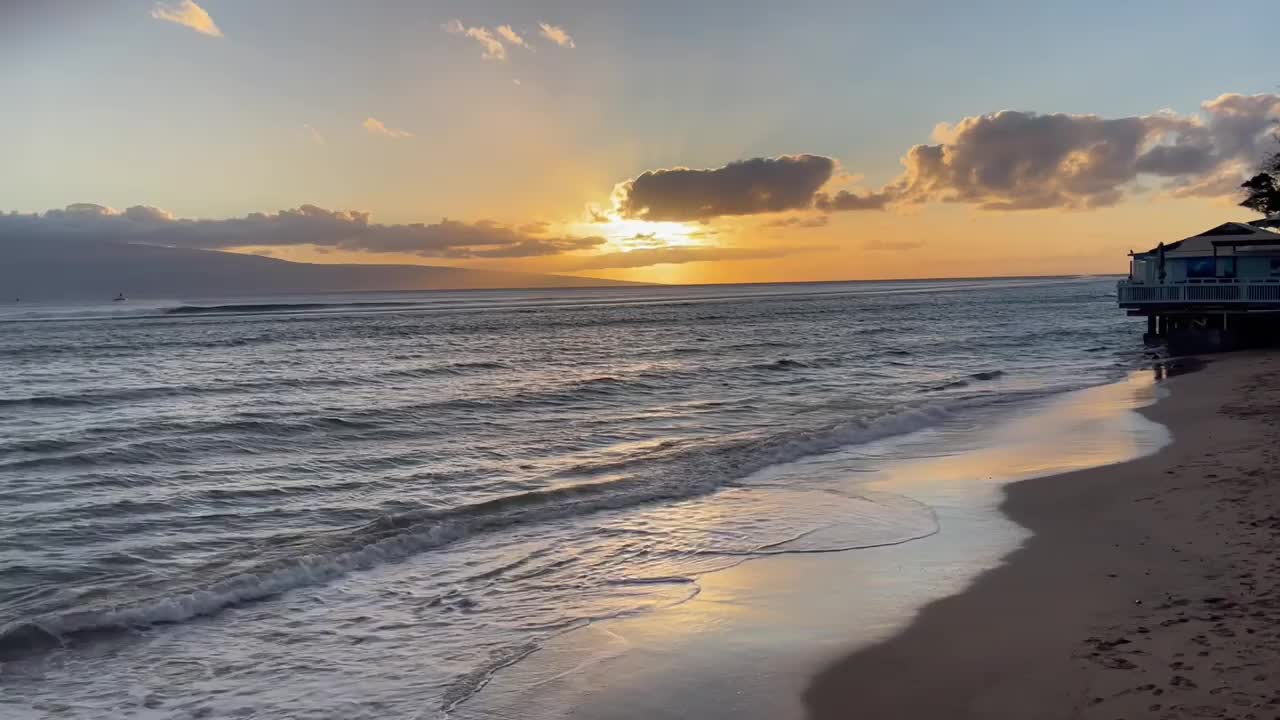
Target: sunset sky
654,141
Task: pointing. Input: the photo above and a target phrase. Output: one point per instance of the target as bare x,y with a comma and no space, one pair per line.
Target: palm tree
1264,188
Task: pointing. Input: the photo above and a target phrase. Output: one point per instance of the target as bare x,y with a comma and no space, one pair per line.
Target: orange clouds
188,14
376,127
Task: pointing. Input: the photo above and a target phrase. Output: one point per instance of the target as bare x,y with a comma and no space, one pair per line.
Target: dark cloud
305,225
746,187
799,221
1017,160
530,248
1009,160
1183,158
645,257
1224,183
845,200
1241,124
648,240
1020,160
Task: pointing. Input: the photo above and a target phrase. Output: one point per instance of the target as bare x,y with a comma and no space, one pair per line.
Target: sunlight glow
624,235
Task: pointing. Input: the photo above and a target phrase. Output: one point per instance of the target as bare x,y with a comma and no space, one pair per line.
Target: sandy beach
1149,588
750,642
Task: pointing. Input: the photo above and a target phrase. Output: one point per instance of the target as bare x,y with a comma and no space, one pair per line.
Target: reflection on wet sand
747,644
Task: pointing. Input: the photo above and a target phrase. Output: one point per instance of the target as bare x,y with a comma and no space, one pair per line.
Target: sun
623,234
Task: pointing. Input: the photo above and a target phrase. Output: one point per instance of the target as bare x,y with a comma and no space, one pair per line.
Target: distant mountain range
74,269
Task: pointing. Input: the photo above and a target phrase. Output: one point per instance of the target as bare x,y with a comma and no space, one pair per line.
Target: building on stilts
1219,290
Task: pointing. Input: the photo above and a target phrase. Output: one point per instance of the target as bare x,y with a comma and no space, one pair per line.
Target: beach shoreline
622,521
1142,592
702,658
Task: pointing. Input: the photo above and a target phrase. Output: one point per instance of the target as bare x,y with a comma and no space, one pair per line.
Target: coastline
755,634
812,456
1142,592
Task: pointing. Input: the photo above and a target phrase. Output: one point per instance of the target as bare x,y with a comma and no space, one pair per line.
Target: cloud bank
1008,160
1020,160
844,200
747,187
306,225
188,14
798,221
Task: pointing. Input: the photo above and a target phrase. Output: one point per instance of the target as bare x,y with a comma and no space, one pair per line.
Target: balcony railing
1267,291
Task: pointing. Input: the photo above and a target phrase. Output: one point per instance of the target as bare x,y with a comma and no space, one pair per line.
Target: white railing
1149,293
1130,293
1259,292
1211,293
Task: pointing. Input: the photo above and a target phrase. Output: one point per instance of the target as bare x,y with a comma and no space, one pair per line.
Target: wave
148,442
107,350
573,390
967,380
280,307
153,441
153,309
793,364
466,686
784,364
107,397
675,473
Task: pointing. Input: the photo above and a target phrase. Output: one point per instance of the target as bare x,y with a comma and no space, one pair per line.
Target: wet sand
748,644
1150,589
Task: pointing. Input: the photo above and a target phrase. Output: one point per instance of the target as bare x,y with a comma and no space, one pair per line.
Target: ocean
370,505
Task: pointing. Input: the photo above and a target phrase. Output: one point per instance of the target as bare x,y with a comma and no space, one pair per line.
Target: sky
658,141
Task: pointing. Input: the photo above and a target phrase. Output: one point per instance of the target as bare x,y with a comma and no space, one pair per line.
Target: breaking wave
673,473
968,380
243,309
106,397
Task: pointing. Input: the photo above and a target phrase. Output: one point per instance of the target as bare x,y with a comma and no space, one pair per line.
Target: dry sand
1151,589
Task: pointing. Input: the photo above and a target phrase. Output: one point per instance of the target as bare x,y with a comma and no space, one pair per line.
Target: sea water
367,505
